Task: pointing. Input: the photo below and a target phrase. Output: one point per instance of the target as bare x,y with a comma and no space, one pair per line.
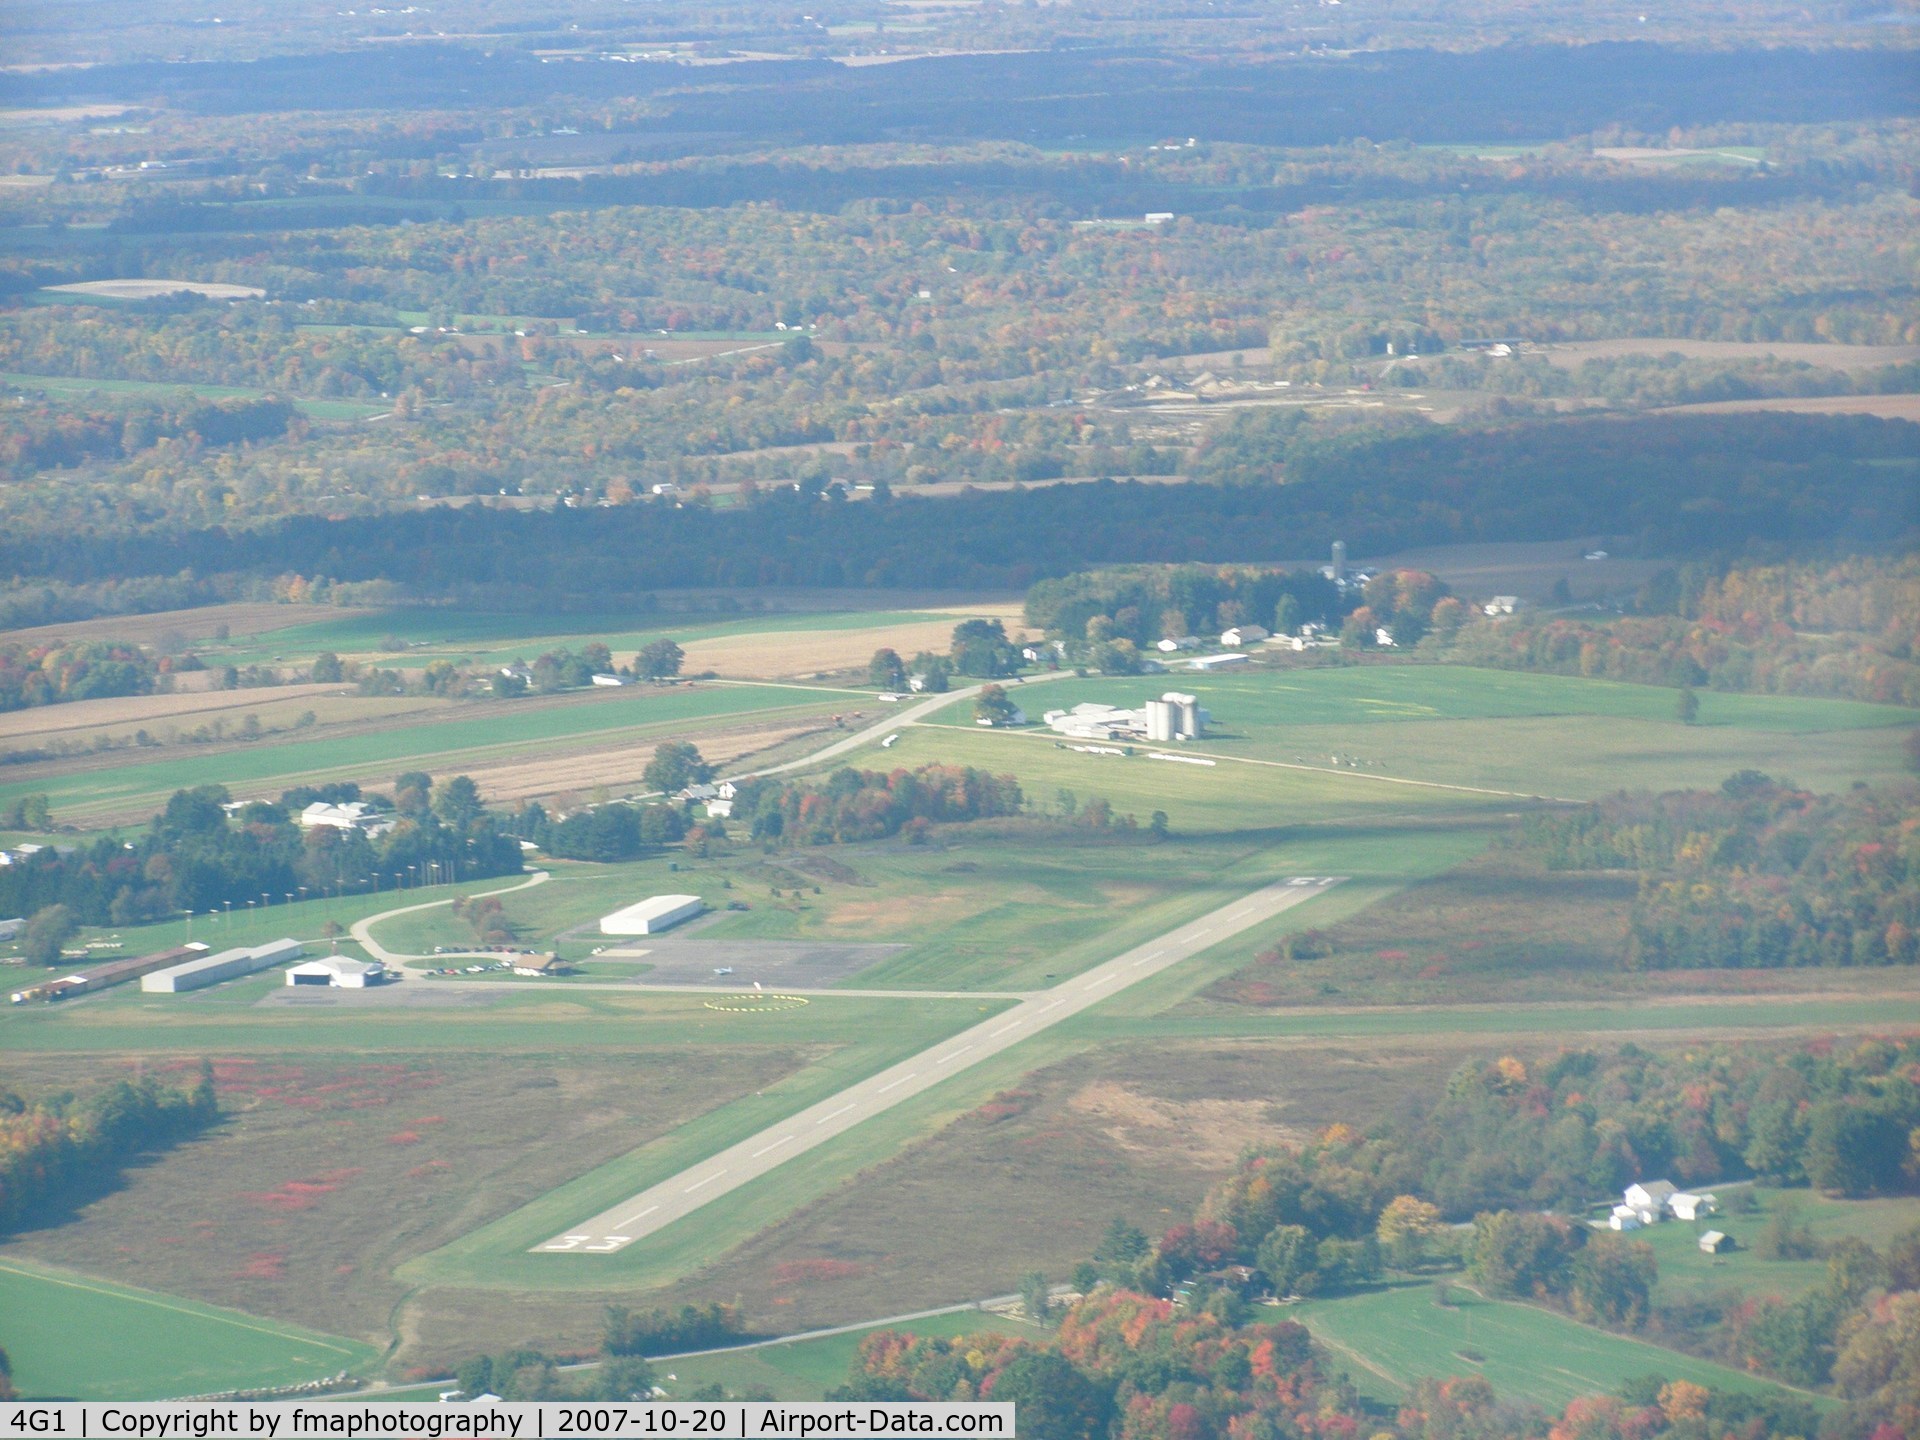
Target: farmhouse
651,916
1648,1201
1243,635
227,965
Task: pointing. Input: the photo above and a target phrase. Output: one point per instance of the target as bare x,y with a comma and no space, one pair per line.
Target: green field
442,746
71,1337
83,386
1518,734
1394,1336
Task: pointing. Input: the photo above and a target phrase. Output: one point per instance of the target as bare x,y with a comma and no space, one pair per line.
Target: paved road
693,1188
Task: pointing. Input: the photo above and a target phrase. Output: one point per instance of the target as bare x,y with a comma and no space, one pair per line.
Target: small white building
10,929
1686,1206
1624,1217
1216,662
1501,605
1244,635
1181,642
609,682
651,916
1715,1242
337,972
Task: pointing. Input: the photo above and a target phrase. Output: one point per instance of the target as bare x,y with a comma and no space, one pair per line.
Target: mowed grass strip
441,747
82,385
1393,1337
70,1336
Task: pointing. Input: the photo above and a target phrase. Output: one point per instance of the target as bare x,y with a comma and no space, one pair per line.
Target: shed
651,916
1715,1242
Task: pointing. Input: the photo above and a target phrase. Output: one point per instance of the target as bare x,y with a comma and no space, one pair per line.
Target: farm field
1840,357
98,1341
135,789
1395,1335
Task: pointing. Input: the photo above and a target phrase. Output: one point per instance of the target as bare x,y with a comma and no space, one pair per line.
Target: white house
1649,1200
1383,637
1502,605
1691,1207
1243,635
1183,642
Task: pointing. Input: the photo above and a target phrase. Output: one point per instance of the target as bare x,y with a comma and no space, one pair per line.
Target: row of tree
195,856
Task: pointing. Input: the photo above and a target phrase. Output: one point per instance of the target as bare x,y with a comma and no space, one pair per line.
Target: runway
654,1209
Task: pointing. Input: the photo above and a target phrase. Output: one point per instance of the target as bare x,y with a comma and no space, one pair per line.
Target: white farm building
1172,717
650,917
337,972
225,965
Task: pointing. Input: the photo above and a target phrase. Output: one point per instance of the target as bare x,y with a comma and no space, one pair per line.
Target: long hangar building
650,917
227,965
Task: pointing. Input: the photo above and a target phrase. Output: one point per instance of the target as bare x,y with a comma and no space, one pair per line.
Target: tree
981,648
47,930
1286,615
1288,1257
1056,1401
412,792
994,707
1036,1299
676,765
1686,709
1613,1280
327,669
1854,1147
886,671
1407,1225
458,804
659,660
1912,749
1878,1367
626,1378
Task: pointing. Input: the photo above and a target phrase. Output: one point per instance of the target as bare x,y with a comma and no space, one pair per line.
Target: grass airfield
648,1082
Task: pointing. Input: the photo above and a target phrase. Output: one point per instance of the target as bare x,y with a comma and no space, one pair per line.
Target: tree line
194,856
58,1151
1754,875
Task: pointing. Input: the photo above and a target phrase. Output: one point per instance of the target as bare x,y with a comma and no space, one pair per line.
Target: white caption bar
352,1419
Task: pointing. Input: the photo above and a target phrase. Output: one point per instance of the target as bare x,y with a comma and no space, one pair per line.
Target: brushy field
71,1336
1392,1337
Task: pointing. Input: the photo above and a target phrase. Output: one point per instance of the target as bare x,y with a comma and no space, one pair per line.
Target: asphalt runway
655,1209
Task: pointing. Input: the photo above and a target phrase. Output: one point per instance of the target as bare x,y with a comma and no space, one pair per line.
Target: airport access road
656,1208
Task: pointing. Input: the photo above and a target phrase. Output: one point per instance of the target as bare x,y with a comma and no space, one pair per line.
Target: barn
651,916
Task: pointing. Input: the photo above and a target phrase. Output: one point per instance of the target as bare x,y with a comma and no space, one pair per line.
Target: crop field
445,633
375,754
1839,357
92,1340
1390,1337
